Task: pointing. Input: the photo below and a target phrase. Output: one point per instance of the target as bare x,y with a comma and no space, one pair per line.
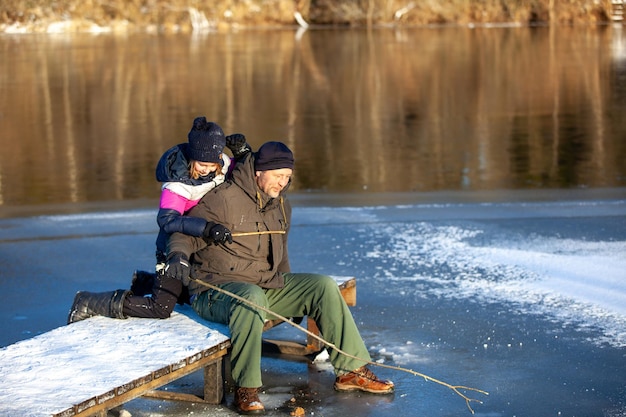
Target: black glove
237,145
177,266
216,233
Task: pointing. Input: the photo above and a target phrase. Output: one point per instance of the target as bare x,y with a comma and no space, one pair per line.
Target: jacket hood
173,166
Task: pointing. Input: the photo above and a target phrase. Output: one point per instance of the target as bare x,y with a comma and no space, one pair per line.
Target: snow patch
580,283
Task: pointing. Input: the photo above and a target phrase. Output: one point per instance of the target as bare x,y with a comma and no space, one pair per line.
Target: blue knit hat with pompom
206,141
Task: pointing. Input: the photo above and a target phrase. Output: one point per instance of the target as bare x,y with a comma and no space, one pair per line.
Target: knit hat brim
273,155
205,155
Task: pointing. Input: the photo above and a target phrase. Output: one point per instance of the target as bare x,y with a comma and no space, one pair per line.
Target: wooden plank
348,291
214,382
213,387
313,344
137,388
173,396
285,347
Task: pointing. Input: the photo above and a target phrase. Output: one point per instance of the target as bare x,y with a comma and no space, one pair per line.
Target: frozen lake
522,297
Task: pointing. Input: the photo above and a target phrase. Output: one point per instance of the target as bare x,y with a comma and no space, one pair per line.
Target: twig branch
266,232
455,388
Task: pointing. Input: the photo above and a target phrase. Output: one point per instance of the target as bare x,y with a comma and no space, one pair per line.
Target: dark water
84,118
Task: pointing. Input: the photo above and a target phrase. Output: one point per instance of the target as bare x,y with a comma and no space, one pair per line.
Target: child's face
205,168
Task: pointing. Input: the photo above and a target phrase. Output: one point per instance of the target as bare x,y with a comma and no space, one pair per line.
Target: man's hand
177,266
216,233
237,145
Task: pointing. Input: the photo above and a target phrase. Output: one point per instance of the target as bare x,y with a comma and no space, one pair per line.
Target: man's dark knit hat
206,141
273,155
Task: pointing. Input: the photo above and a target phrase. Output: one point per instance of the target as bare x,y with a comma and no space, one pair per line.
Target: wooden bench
89,367
92,366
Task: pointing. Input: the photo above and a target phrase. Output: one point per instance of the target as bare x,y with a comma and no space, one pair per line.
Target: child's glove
177,266
216,233
237,145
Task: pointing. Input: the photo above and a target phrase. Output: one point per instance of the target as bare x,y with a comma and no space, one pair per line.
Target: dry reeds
180,15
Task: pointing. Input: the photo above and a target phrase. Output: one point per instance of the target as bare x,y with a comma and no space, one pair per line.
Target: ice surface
523,299
580,282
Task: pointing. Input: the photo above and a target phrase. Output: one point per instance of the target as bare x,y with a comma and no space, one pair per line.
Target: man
253,207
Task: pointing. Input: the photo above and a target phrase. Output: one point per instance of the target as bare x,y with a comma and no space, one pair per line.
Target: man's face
273,181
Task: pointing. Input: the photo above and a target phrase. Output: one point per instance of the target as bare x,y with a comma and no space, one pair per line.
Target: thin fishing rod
455,388
266,232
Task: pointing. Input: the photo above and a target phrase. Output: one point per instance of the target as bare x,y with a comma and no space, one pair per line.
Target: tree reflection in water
84,118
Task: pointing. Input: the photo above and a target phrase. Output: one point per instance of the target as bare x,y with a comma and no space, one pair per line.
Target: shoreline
180,16
335,199
125,28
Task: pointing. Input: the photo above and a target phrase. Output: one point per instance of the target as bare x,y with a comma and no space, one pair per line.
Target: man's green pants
313,295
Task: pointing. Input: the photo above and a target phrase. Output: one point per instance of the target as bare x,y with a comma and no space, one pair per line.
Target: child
188,171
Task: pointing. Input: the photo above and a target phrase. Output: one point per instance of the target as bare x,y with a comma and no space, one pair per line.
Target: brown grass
180,15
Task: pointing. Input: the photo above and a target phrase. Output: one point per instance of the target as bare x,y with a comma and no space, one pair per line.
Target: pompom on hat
273,155
206,141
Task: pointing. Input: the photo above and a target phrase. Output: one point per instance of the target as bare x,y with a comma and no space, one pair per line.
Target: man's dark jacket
261,256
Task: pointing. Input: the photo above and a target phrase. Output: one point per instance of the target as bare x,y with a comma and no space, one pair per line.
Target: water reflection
85,118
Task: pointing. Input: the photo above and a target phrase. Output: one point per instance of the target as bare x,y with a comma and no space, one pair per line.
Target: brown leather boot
247,401
363,379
